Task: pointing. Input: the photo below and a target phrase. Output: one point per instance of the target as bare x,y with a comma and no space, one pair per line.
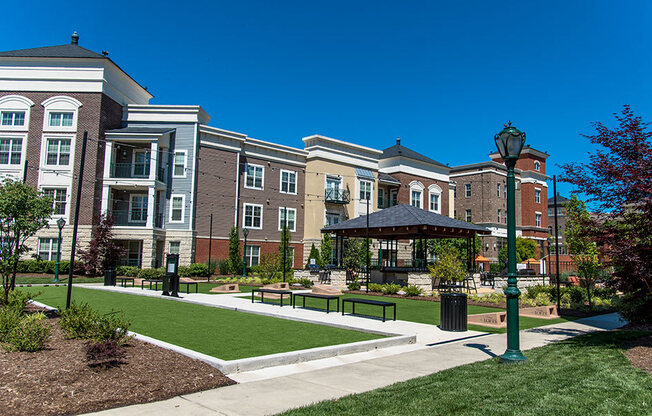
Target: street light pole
510,142
60,223
244,253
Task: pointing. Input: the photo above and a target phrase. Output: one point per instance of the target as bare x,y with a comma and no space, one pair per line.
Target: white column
153,164
106,191
108,157
151,200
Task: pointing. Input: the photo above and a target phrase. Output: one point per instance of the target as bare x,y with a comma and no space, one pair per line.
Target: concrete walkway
274,395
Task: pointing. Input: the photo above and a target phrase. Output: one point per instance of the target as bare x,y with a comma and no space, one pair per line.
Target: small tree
23,211
326,249
525,249
617,180
581,245
314,254
448,267
235,255
268,266
285,246
102,253
440,245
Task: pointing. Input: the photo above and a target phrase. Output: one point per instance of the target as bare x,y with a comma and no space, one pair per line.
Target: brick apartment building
481,198
48,97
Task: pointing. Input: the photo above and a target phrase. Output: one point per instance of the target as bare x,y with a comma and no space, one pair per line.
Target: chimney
398,141
74,39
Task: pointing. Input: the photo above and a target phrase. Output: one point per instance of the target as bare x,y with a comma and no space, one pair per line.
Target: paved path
274,395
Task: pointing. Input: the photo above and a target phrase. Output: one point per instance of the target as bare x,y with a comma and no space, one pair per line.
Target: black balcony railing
337,196
129,170
133,218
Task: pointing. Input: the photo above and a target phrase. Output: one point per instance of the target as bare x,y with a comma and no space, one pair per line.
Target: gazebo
403,222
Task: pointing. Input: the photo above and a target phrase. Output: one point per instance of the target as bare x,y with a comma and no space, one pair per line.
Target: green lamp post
510,142
245,232
60,223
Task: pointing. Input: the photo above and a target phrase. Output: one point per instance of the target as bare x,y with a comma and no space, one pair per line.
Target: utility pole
76,224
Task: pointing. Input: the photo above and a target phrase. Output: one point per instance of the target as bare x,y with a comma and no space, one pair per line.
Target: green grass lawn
32,280
587,375
422,311
217,332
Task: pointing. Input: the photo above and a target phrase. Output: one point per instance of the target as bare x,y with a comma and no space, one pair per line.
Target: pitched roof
560,199
140,130
391,221
400,150
59,51
386,177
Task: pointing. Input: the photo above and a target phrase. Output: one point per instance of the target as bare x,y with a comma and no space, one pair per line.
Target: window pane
4,151
67,119
179,164
19,118
7,118
16,148
174,247
55,119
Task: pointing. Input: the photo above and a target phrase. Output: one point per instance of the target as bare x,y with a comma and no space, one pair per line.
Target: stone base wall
83,239
337,277
421,279
522,282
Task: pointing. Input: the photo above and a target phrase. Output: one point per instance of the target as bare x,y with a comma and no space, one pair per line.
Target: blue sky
444,76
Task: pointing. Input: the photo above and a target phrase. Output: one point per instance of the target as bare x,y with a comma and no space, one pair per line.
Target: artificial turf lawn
587,375
37,280
217,332
419,311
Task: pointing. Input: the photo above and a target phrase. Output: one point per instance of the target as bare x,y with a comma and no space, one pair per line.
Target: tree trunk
588,293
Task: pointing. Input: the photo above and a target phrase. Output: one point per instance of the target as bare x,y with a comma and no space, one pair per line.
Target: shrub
495,268
195,270
391,288
413,290
31,334
82,321
129,271
268,266
17,300
152,274
354,285
635,308
9,319
105,353
223,266
375,287
307,283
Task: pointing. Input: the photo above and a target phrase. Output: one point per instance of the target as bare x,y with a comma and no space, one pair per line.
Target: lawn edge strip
273,360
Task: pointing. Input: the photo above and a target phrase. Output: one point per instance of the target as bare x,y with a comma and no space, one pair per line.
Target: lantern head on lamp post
245,232
60,223
510,142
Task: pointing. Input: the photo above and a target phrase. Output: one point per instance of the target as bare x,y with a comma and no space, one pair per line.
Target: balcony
130,170
337,196
134,218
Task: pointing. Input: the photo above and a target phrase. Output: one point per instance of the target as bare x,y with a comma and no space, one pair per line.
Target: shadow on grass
605,339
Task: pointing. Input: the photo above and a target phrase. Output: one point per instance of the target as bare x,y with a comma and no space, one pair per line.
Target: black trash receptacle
453,312
109,277
167,284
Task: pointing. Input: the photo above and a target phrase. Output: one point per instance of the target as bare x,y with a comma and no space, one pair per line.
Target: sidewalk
274,395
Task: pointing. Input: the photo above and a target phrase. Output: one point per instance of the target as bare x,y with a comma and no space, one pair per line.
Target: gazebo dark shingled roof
406,221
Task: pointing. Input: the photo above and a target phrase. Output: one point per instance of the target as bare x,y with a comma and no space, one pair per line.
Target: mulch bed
639,351
59,381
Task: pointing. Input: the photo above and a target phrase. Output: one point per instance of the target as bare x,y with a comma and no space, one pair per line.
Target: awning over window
364,173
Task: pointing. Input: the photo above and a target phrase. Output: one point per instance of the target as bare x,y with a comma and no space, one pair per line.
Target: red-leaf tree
102,252
618,182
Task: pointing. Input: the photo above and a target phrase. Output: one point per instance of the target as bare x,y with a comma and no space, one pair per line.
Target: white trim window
138,207
59,199
13,118
468,215
291,221
434,202
381,198
537,166
58,152
254,175
253,216
434,198
393,197
333,218
467,189
416,194
498,189
60,113
11,149
48,248
252,255
365,190
288,182
499,216
177,203
180,163
141,163
537,219
14,112
174,247
537,195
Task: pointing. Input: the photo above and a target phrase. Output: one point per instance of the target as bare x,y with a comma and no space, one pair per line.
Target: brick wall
220,250
404,190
